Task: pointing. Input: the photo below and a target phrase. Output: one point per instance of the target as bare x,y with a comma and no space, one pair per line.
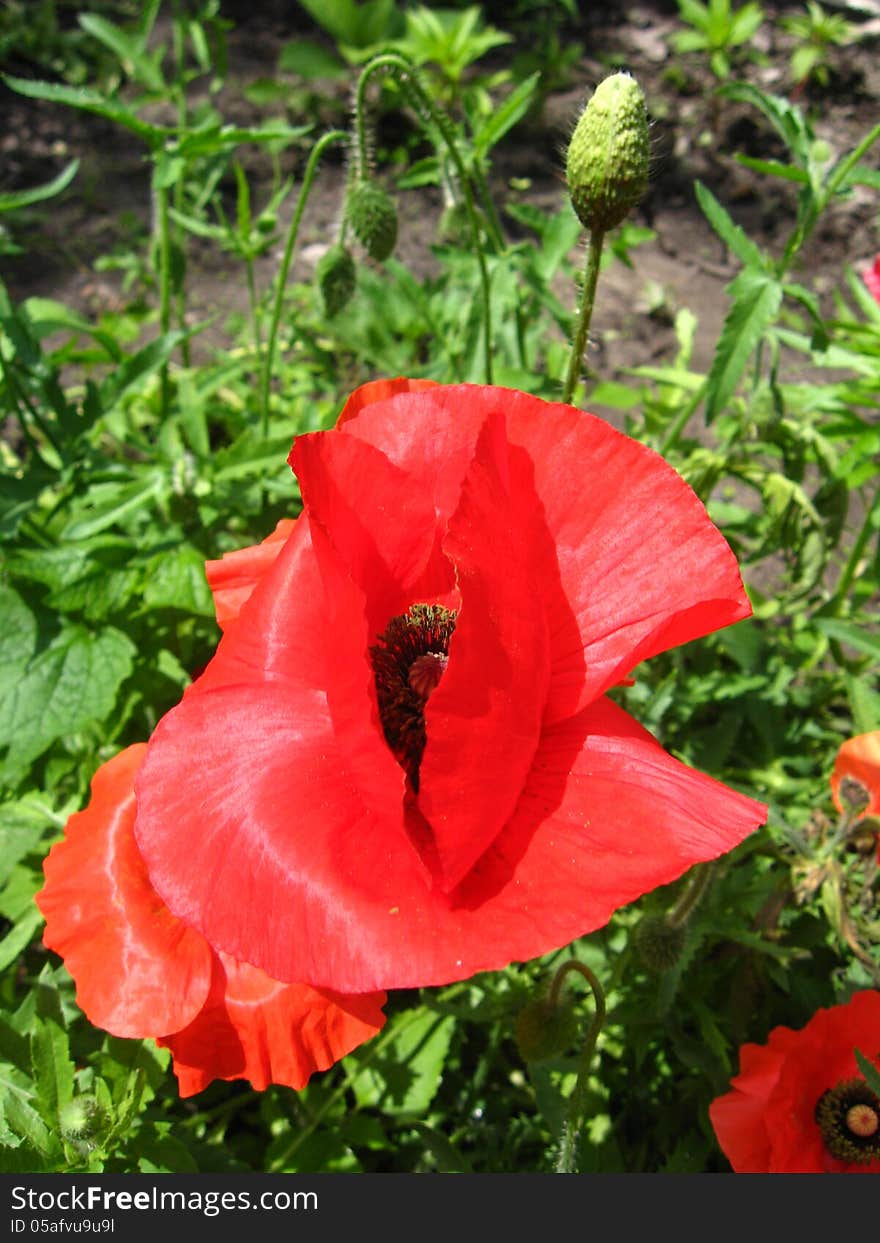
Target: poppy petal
138,970
254,1028
379,390
483,721
233,576
319,889
643,568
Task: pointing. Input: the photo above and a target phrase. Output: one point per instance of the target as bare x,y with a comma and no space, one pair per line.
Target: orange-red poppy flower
858,760
871,277
401,766
140,972
800,1104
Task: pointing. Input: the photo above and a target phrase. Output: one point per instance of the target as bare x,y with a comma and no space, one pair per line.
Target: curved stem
698,883
334,135
394,60
585,313
572,1126
164,227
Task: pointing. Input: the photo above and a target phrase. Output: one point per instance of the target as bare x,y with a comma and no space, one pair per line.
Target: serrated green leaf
731,234
114,501
70,683
19,937
757,297
18,635
864,704
52,1068
90,101
176,579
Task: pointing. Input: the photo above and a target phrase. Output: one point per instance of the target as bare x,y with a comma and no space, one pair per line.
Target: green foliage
718,29
816,33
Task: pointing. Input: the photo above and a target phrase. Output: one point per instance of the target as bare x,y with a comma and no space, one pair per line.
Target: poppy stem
697,885
334,135
427,111
585,312
566,1161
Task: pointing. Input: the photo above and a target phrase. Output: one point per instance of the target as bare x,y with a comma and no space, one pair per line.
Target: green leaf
731,234
12,200
309,61
405,1076
506,116
19,937
870,1071
112,502
23,824
773,168
71,683
757,297
864,704
176,579
90,101
18,635
850,635
52,1069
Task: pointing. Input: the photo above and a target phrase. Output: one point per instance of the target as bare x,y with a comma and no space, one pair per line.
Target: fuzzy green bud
80,1118
336,276
607,162
659,943
545,1030
373,218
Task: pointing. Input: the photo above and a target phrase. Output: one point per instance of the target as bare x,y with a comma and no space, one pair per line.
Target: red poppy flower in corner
871,277
140,972
800,1104
401,766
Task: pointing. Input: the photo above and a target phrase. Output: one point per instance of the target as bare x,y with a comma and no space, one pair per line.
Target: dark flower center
849,1119
408,660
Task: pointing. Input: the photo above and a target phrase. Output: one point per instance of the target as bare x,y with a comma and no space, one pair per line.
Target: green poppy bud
544,1030
607,163
373,218
79,1119
336,276
659,943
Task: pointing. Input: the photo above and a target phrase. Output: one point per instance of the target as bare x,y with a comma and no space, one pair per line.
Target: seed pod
336,276
659,943
544,1030
373,218
607,162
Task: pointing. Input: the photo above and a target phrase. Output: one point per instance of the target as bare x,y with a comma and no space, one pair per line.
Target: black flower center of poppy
849,1119
408,660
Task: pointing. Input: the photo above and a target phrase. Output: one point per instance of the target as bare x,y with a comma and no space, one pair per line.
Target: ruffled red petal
254,1028
138,970
233,577
286,868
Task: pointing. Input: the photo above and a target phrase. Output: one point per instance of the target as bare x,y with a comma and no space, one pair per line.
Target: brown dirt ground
693,137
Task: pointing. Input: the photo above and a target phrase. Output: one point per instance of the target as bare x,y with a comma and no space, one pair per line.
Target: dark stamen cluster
423,630
849,1119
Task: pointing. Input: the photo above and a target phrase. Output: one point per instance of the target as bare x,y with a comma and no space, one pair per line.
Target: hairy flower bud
545,1030
80,1118
659,943
336,277
373,218
607,163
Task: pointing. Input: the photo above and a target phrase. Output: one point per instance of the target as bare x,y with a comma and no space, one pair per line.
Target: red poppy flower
858,762
140,972
871,277
401,767
800,1104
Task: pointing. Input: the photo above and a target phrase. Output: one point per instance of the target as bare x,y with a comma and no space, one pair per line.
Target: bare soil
695,136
